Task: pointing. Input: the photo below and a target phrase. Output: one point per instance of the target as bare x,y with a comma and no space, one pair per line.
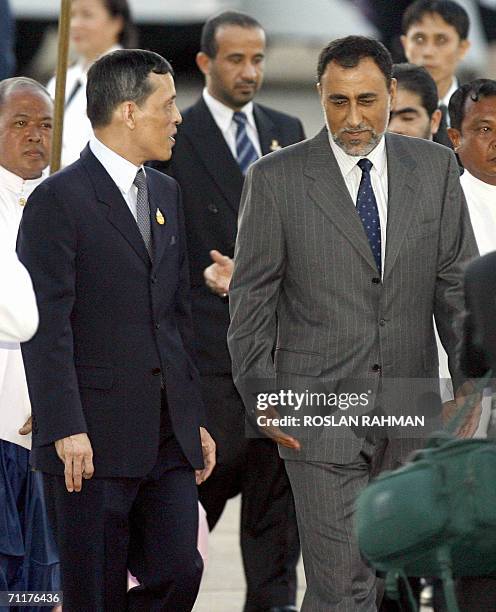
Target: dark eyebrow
337,97
404,111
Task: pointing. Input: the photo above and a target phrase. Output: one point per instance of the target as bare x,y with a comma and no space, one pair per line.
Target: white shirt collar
347,163
481,187
454,86
121,171
223,115
17,185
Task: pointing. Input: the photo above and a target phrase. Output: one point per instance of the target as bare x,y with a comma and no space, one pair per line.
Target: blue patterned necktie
369,213
245,150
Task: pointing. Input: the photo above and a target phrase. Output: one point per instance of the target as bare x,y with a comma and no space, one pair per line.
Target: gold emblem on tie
22,201
274,145
160,217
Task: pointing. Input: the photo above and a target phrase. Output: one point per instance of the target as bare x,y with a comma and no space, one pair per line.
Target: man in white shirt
472,111
473,134
25,135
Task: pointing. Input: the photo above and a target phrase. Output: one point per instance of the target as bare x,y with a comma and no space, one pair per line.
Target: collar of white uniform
476,183
17,185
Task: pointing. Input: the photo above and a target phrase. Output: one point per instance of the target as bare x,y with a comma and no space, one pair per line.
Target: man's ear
392,91
463,49
436,120
203,61
455,137
127,112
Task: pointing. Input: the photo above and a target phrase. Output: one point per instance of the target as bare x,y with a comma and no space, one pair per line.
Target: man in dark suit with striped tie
221,135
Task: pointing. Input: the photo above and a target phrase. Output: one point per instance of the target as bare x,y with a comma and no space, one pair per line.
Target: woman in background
97,27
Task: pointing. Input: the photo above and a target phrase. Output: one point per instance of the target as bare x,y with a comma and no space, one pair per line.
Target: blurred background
296,33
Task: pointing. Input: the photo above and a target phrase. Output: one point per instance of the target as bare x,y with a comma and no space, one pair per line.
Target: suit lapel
208,140
119,214
329,192
403,184
267,132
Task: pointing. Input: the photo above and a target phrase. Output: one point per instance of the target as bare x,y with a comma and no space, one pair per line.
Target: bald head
26,115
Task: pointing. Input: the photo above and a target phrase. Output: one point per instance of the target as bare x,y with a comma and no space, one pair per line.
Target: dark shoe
284,609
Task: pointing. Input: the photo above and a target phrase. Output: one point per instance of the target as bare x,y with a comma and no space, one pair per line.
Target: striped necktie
245,150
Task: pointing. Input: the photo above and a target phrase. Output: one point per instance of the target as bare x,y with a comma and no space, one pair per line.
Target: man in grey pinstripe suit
339,300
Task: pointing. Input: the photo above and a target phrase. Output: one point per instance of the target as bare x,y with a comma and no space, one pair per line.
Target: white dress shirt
121,171
481,203
445,101
352,175
223,117
77,126
14,400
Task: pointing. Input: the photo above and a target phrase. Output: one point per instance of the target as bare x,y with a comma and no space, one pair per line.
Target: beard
357,148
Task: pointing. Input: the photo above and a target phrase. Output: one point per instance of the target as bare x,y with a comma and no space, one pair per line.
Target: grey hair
9,86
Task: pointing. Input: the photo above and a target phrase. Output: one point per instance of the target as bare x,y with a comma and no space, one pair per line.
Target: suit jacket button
376,367
382,322
154,280
213,208
156,371
376,280
157,325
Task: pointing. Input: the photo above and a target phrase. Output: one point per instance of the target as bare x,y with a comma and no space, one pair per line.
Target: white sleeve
18,310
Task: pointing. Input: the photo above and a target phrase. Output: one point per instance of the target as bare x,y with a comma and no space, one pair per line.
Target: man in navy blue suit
111,374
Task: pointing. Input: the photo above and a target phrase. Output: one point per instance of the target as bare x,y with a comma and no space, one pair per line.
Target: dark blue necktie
245,151
367,209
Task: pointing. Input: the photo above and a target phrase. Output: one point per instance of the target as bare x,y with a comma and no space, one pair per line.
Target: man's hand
208,450
27,427
218,275
77,455
275,432
465,394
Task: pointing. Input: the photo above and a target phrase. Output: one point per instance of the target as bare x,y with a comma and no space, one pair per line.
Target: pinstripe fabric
337,578
302,258
306,282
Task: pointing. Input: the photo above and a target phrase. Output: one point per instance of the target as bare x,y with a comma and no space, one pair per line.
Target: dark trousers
148,525
252,467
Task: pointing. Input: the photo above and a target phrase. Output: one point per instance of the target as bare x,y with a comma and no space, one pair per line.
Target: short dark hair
208,42
347,52
119,76
128,36
9,86
417,80
451,12
475,90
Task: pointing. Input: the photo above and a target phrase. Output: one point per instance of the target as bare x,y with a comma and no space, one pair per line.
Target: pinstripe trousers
338,579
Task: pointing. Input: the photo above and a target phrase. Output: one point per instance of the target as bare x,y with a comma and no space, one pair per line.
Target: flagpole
62,60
